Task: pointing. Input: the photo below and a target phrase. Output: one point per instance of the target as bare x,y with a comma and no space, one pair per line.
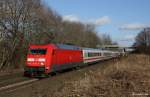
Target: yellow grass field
128,77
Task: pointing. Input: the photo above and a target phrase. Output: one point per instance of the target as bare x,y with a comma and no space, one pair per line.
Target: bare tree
29,21
13,20
143,41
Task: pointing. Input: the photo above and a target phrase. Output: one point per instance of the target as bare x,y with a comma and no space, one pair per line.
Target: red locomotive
45,59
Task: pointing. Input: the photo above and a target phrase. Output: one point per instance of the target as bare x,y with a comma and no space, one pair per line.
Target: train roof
91,49
56,46
69,47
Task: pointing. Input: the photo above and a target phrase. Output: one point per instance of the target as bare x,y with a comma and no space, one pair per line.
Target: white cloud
130,37
127,38
72,18
98,22
102,20
134,26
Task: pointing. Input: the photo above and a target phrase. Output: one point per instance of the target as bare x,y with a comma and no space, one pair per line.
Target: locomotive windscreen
37,51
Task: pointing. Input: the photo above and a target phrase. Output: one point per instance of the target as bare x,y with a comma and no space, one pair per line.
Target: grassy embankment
129,77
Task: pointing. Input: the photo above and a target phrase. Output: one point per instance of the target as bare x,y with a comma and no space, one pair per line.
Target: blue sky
121,19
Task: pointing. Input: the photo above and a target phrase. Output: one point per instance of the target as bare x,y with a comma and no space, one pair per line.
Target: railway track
13,81
17,84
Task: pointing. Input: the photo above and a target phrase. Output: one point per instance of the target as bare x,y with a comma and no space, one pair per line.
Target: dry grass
129,77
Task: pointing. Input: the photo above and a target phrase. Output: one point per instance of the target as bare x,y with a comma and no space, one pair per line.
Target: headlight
42,64
30,59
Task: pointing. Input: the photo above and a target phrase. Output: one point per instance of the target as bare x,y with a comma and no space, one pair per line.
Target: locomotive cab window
38,51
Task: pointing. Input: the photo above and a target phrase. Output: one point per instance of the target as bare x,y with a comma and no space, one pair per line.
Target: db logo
36,59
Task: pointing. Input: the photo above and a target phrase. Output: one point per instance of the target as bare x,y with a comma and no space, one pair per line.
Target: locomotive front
37,63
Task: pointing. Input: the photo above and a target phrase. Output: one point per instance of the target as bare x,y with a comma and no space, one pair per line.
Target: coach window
85,54
93,54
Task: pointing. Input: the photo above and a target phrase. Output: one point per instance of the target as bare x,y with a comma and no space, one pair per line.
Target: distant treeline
142,41
24,22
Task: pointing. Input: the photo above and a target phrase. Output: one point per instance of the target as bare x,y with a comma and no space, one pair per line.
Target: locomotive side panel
65,59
